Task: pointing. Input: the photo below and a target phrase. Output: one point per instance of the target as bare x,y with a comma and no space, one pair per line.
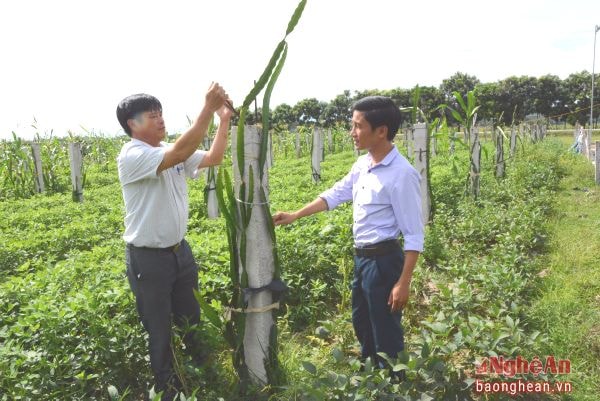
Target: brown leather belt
380,248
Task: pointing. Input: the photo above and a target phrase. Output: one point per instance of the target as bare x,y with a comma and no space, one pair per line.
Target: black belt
172,248
380,248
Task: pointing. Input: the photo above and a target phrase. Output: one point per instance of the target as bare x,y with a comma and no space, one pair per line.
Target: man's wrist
223,127
402,281
206,112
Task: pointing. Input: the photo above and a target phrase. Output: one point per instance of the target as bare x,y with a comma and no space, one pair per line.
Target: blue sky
68,63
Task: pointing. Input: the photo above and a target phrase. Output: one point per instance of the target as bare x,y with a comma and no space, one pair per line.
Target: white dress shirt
386,200
156,205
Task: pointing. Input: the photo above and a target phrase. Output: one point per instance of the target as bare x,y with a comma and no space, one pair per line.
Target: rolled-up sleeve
406,202
341,191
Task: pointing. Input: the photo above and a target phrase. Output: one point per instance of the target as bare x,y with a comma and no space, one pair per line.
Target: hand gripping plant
254,267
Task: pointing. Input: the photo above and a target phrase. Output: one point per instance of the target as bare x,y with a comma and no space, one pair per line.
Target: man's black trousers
163,282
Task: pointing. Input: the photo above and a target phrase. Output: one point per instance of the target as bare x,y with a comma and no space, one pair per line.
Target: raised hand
225,111
215,97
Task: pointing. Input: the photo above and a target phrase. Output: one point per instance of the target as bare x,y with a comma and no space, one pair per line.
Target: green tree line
560,101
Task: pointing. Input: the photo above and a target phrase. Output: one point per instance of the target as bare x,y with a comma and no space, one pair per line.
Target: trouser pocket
389,266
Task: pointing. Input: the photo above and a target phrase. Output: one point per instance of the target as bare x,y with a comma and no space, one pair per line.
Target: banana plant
421,137
467,117
242,204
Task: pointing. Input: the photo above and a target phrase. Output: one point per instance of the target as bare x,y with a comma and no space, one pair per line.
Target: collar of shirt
391,155
139,141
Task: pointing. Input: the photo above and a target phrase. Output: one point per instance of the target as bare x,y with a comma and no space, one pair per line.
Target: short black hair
378,111
134,104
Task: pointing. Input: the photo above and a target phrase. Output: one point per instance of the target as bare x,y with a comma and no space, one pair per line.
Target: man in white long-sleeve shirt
161,269
384,189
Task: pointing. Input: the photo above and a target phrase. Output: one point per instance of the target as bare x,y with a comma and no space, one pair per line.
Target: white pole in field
259,261
513,140
212,204
409,138
76,166
307,139
475,161
544,131
596,29
421,165
588,140
330,140
37,163
279,141
499,154
317,154
597,162
298,148
586,144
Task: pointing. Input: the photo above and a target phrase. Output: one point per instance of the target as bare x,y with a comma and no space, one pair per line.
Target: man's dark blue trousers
376,327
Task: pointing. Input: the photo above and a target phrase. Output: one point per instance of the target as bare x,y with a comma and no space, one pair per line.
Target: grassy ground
68,328
568,306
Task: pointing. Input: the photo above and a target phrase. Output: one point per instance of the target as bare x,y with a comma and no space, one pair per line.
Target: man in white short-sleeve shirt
156,204
161,269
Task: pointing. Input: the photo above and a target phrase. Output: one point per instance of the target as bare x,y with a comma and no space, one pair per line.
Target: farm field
493,280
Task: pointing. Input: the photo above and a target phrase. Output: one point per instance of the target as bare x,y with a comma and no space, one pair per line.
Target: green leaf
269,219
209,311
262,81
240,140
456,115
338,355
461,102
250,200
266,112
415,103
221,200
425,350
425,397
295,17
437,327
399,366
244,275
474,111
309,367
113,392
241,206
470,99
